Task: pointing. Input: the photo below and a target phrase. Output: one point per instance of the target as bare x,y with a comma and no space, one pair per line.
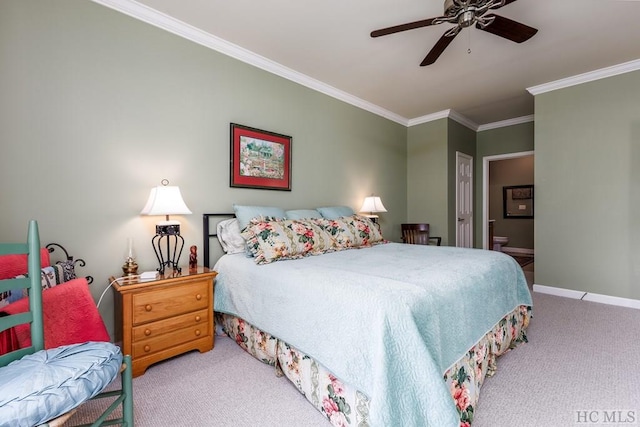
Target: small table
161,318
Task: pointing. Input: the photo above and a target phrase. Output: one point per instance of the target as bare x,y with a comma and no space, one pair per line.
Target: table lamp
372,204
167,200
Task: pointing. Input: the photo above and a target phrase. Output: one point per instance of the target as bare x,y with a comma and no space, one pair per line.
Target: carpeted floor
581,356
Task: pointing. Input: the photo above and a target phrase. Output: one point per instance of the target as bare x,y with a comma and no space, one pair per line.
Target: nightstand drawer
172,301
170,340
154,329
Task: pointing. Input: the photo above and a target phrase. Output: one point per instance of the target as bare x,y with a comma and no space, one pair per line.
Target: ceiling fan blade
439,47
507,28
403,27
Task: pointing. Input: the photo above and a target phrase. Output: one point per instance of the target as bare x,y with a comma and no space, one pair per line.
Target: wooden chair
418,234
52,383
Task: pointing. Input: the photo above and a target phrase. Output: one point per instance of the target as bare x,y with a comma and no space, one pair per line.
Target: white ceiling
327,43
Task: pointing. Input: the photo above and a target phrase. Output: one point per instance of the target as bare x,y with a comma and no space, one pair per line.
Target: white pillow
229,236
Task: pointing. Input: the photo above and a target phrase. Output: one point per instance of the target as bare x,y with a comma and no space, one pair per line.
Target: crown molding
428,118
158,19
451,114
505,123
454,115
590,76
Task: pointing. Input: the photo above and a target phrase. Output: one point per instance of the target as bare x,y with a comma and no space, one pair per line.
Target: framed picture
260,159
517,201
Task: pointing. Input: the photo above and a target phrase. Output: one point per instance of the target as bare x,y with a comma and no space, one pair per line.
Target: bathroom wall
517,171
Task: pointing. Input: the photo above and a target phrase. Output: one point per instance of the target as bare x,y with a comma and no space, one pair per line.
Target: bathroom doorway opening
487,198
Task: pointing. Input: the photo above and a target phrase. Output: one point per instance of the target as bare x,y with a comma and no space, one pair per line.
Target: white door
464,200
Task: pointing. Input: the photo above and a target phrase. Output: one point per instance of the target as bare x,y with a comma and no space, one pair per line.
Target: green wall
427,176
587,171
505,140
98,107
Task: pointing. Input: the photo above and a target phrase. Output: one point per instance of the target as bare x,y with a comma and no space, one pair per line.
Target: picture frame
517,201
259,159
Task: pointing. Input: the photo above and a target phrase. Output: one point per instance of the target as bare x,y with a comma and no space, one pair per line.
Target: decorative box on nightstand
161,318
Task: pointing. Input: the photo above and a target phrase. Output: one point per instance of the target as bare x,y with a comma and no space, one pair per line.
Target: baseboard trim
587,296
523,251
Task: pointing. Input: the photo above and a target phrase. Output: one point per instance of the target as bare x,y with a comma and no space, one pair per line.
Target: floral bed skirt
343,404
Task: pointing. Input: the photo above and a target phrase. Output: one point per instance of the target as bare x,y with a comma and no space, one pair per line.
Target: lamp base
173,245
372,217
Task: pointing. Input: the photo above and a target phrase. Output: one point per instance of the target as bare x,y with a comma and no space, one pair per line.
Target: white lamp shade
372,204
165,200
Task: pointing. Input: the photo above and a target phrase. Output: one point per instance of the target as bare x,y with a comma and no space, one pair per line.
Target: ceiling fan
465,13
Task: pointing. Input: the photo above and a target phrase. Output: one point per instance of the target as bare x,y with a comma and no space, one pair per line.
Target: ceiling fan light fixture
466,18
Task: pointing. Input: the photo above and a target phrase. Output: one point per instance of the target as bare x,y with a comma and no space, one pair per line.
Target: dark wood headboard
209,232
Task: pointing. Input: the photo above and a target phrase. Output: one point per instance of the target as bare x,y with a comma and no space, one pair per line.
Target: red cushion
14,265
69,313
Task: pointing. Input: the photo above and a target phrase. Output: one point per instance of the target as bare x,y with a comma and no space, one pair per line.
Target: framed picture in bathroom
517,201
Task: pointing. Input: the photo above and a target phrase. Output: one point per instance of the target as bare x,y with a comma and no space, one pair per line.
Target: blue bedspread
389,319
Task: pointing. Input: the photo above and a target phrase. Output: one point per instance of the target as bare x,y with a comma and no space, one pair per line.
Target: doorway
486,193
464,200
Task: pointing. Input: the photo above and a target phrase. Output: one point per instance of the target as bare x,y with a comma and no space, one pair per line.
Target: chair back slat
34,284
11,284
5,359
417,234
14,248
9,322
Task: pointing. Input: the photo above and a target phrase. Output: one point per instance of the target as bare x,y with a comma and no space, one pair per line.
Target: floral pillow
247,234
339,230
352,231
271,241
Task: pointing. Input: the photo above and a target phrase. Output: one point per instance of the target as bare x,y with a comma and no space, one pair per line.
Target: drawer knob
197,332
147,332
198,318
198,297
147,348
147,307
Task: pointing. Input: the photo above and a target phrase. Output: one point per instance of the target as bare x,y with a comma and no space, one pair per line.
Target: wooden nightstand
159,319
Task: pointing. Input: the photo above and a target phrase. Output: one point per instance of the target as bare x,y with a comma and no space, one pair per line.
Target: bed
371,332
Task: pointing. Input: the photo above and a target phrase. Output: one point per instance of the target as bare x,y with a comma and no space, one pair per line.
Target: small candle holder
130,267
